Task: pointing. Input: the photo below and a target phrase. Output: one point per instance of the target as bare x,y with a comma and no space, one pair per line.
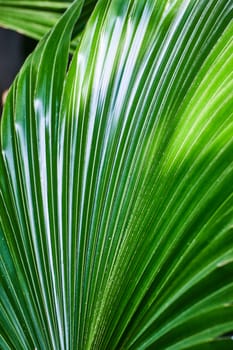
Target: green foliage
116,186
35,18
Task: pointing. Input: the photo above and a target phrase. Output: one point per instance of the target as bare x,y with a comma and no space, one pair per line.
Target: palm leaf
117,183
35,18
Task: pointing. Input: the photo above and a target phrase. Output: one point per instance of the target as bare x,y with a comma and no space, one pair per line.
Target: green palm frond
116,186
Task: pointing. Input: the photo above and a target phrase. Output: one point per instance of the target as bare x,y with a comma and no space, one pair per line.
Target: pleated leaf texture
116,186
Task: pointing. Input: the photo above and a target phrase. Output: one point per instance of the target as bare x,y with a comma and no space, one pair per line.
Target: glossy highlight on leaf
116,186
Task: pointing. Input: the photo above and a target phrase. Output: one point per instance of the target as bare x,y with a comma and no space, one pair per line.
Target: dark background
14,48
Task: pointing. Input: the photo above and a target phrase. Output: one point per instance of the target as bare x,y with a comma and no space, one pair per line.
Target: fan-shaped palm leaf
116,206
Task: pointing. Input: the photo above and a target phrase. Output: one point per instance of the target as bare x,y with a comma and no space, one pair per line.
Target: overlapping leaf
35,18
117,183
